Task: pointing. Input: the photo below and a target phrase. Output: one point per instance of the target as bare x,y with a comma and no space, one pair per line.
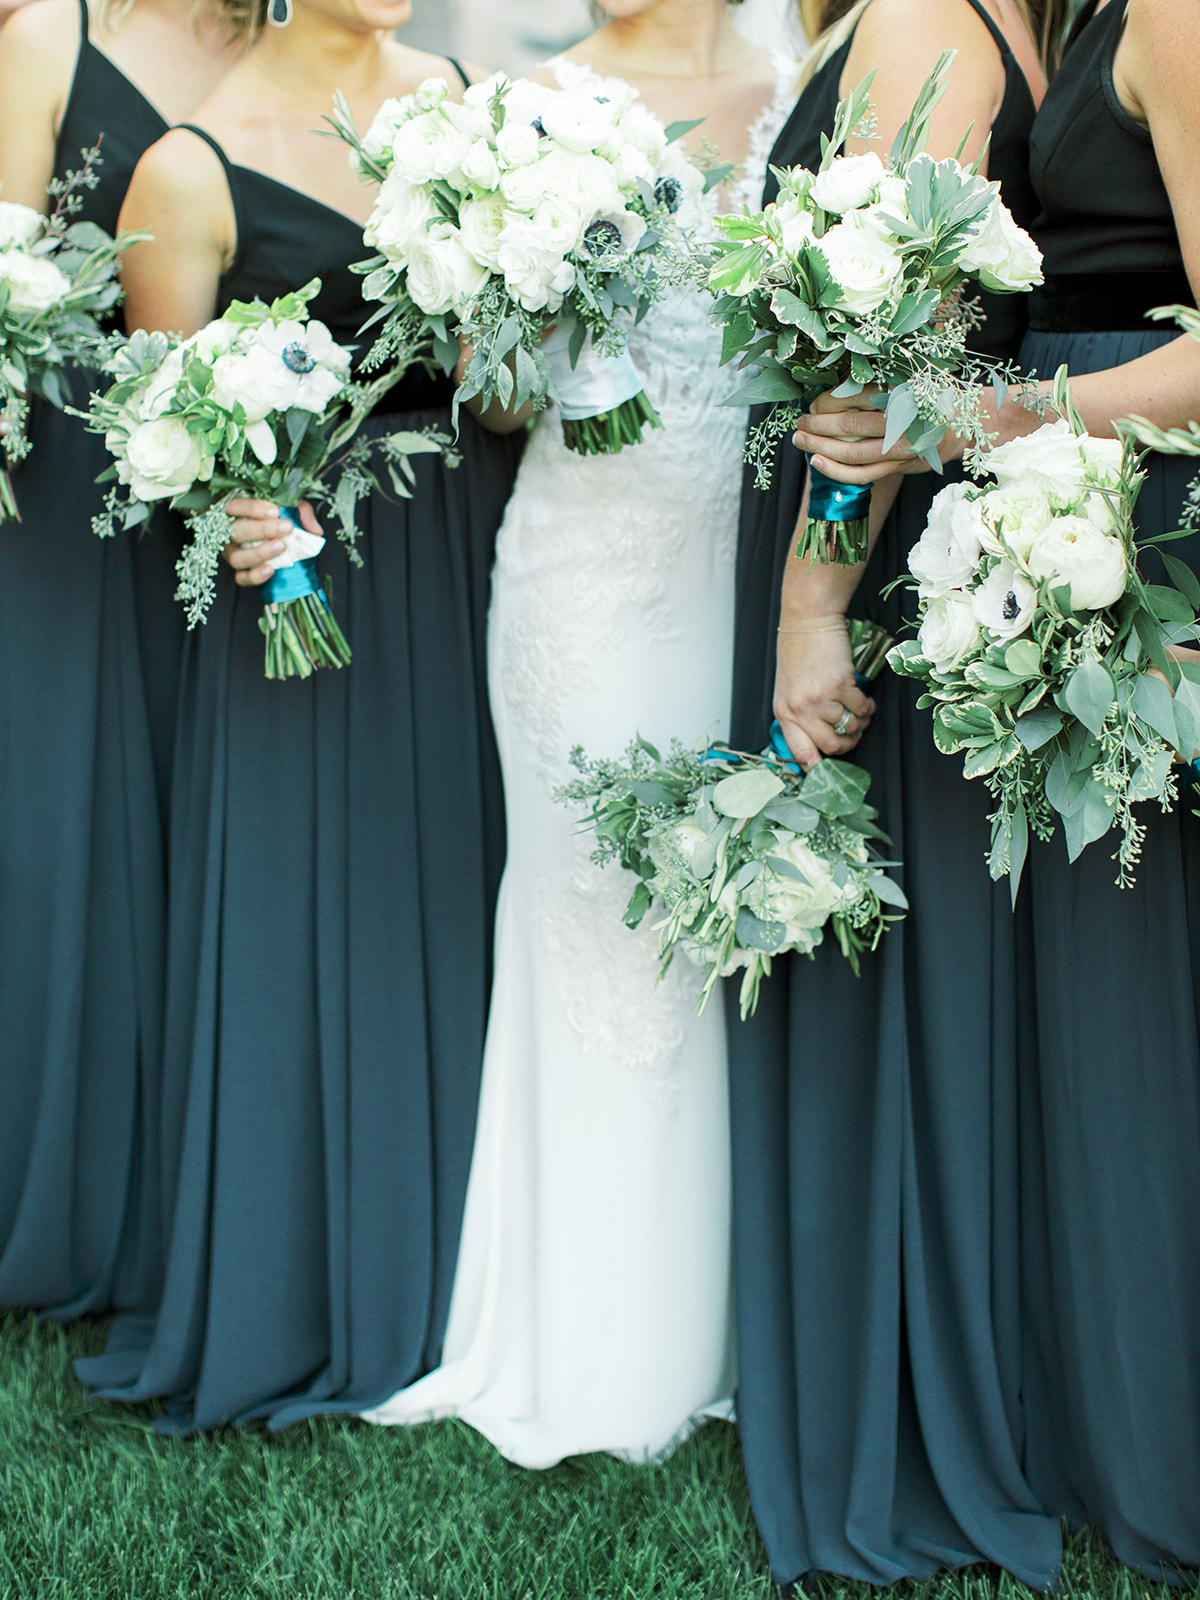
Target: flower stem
8,500
302,635
610,431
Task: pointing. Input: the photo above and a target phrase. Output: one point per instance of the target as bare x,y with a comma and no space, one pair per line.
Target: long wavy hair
828,22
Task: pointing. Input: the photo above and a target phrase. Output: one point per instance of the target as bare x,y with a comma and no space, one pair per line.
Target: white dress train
591,1306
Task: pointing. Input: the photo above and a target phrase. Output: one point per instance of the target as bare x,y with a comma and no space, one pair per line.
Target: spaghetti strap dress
90,645
1110,1134
336,848
874,1119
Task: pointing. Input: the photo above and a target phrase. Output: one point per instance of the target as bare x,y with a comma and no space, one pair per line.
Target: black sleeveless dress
1110,1134
875,1118
90,643
336,846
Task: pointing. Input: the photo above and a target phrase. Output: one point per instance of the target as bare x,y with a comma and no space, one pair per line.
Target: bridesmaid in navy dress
1110,1041
336,841
89,659
875,1118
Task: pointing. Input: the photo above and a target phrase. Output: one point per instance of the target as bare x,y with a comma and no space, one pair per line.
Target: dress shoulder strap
83,22
458,67
993,27
233,179
190,127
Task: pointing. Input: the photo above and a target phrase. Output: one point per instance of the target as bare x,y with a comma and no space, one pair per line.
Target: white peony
864,267
401,217
1005,601
480,225
1013,517
444,276
1061,463
163,459
848,182
19,225
34,284
949,630
947,553
429,146
1093,563
587,181
1000,255
578,122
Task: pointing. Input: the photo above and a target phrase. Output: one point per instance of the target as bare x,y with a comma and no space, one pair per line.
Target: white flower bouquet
745,857
854,280
528,222
258,403
58,278
1037,640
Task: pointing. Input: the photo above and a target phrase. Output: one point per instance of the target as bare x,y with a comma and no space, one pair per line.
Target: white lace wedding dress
591,1307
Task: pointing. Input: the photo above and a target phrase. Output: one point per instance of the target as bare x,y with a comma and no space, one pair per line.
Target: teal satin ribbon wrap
296,581
829,501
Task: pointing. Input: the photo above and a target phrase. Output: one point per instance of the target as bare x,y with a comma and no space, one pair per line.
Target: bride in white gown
591,1307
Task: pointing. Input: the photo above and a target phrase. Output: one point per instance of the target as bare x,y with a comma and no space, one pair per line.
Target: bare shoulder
42,41
1163,37
179,172
926,26
412,67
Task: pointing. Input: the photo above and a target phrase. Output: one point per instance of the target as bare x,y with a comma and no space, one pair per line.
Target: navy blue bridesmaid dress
1110,1132
875,1119
90,646
336,847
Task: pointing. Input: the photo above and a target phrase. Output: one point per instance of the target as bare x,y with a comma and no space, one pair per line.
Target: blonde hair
247,18
829,23
112,13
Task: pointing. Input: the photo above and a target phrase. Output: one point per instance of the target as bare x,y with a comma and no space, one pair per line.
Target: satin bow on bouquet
744,857
854,280
58,278
259,403
533,224
1037,638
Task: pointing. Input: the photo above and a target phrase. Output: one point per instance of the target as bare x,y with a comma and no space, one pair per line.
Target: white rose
530,270
34,284
577,121
444,276
524,188
212,341
1013,516
158,394
863,266
794,225
802,907
480,167
1061,463
381,135
947,553
1005,601
586,181
848,182
430,146
948,631
19,225
686,835
401,216
1093,563
480,225
1000,255
892,203
431,93
163,459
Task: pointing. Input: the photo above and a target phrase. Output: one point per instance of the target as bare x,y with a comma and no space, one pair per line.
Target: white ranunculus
947,553
949,631
524,188
577,121
162,459
480,167
444,276
1093,563
34,284
794,224
517,144
1013,517
401,216
431,93
848,182
558,223
1000,255
588,182
864,267
1005,601
19,225
480,225
1061,463
429,146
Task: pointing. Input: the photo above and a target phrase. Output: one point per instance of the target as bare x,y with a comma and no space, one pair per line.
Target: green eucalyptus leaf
1090,693
746,793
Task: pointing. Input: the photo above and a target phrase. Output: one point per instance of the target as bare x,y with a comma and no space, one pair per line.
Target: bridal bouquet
57,279
854,280
258,403
529,222
745,857
1037,638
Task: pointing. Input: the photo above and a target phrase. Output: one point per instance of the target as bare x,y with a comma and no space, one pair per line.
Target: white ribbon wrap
298,546
597,383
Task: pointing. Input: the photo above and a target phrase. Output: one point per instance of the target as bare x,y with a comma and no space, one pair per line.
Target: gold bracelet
818,627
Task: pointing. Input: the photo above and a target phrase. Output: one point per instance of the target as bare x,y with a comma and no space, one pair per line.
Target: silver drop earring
279,13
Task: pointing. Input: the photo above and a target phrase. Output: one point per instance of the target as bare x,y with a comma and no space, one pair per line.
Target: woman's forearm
821,589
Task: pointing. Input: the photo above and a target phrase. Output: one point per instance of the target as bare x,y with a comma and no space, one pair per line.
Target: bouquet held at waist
259,403
855,280
58,280
742,857
1044,650
534,225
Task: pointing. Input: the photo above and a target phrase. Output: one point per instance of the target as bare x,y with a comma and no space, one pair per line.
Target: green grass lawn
94,1505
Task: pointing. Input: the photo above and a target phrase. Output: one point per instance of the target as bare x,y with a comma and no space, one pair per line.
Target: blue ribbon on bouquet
829,501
